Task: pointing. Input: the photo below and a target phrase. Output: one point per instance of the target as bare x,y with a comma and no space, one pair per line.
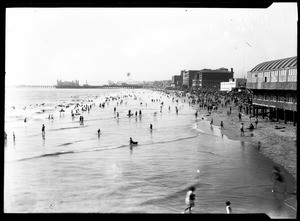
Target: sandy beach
277,144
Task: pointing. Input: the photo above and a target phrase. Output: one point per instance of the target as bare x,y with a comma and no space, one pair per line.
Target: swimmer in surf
131,142
43,129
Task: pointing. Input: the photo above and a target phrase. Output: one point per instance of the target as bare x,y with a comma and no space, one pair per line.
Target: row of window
275,98
287,75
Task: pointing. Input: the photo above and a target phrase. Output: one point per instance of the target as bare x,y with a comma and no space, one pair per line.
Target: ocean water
73,170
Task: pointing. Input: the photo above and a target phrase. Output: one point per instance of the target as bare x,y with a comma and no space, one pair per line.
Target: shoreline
279,145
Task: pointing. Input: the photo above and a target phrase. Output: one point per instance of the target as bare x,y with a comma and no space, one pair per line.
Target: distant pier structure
81,87
35,86
75,85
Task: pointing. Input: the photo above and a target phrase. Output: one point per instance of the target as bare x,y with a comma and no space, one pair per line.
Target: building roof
220,70
276,64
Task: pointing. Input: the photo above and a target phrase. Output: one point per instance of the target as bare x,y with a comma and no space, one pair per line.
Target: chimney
231,70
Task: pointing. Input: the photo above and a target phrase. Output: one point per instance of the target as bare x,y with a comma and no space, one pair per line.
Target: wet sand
277,144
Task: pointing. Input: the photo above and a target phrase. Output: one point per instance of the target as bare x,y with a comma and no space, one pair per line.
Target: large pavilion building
274,87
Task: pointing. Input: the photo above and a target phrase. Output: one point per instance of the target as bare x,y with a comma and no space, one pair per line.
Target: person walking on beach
14,137
221,124
98,132
151,126
278,179
228,208
256,122
43,129
242,129
190,200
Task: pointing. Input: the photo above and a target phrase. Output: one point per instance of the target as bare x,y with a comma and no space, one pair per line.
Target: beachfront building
176,81
188,76
207,78
233,84
274,87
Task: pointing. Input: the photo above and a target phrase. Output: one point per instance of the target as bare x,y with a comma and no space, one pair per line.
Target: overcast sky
101,44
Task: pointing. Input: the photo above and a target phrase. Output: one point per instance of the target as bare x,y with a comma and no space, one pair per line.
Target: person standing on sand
251,127
256,122
242,129
221,124
240,117
190,199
